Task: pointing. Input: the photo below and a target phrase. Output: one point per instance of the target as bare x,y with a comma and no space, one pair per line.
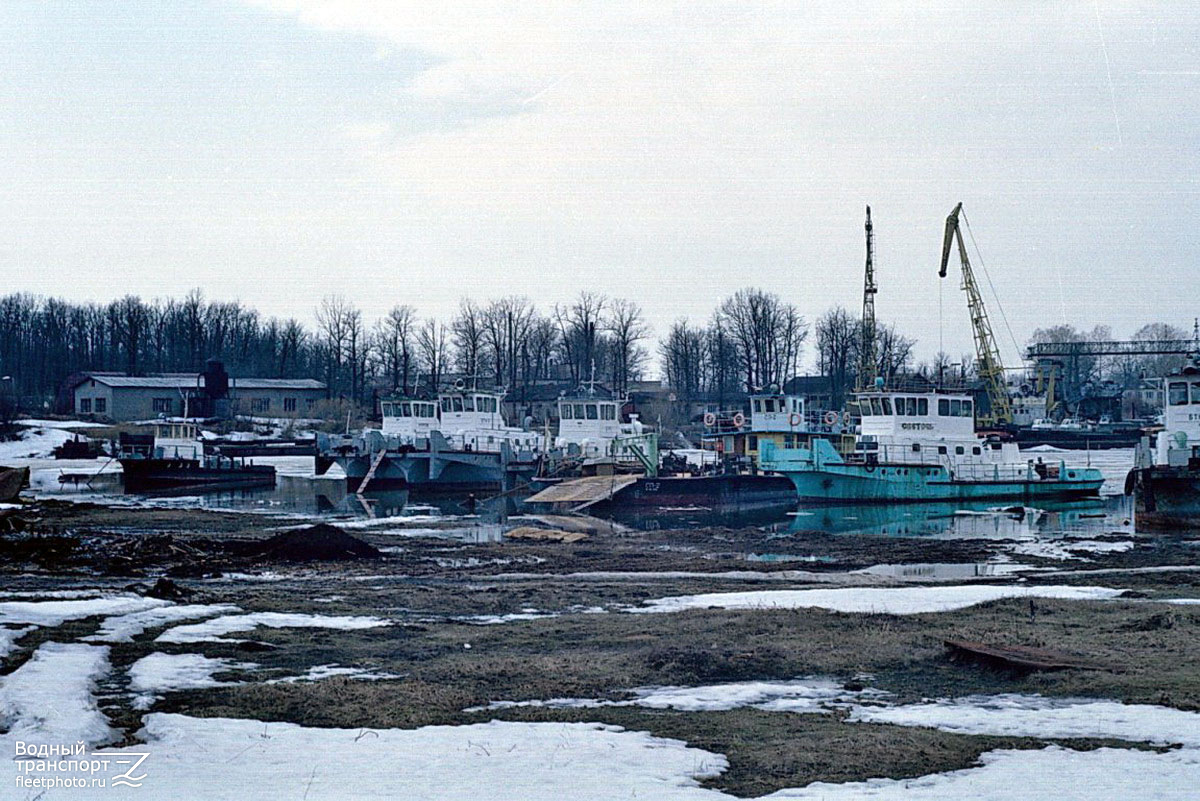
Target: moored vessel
1165,480
922,446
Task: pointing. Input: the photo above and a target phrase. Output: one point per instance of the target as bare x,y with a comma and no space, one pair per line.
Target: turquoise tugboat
922,446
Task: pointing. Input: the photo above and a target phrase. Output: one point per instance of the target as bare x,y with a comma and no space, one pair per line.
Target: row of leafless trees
754,339
507,342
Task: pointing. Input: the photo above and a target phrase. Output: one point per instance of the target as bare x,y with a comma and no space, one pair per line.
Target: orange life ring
831,418
794,419
739,419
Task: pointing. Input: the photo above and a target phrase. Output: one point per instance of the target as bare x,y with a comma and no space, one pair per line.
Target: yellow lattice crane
987,354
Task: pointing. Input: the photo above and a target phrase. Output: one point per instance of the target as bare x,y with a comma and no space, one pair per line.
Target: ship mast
867,365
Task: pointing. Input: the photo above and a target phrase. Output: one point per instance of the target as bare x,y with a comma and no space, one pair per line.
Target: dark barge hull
1165,498
155,475
1078,440
715,494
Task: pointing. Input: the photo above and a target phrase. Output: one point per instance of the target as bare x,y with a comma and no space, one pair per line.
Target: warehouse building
213,393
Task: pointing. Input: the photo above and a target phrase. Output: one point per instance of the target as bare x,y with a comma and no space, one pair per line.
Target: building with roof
212,393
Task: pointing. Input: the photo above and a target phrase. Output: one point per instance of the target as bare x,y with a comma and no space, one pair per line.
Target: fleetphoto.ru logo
41,766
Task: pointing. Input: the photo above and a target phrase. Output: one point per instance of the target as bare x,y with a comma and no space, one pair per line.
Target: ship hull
155,475
450,472
905,483
1165,498
730,493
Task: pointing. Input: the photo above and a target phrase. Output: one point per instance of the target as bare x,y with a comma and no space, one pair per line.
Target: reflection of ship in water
965,520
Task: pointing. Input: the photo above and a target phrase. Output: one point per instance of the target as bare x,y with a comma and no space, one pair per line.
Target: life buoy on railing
793,419
831,418
845,418
739,419
710,419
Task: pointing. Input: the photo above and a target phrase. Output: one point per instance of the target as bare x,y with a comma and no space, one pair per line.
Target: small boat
1165,480
173,458
922,446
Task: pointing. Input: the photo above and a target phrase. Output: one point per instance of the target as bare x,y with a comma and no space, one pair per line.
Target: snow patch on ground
55,613
1036,716
213,630
800,695
220,759
9,637
49,698
124,628
159,673
880,600
33,443
328,671
1049,774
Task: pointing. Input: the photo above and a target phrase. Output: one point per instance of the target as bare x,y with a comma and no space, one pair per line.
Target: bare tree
467,330
432,347
628,328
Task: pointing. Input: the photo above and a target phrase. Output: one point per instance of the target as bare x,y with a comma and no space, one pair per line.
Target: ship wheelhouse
925,427
1179,441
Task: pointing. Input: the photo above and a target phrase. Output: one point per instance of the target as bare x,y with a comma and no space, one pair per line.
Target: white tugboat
460,442
1165,481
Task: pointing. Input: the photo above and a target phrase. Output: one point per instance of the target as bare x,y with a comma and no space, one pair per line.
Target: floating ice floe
158,673
1065,549
55,613
123,628
880,600
214,630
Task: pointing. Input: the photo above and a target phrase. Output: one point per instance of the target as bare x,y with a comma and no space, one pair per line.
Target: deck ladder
371,473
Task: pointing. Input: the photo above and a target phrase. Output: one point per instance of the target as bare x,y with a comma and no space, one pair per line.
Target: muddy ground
448,656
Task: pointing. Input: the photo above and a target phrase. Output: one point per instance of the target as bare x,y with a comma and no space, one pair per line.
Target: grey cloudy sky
276,151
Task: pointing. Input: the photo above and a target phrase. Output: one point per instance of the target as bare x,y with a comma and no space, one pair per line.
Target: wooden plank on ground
1020,657
544,535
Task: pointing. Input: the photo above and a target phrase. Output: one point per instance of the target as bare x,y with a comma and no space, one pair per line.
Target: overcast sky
275,151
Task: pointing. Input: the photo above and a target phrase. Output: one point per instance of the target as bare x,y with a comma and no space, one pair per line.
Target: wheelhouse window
943,407
923,407
608,411
910,406
445,404
592,412
956,408
564,412
758,404
887,406
966,409
468,404
579,415
456,403
385,409
406,410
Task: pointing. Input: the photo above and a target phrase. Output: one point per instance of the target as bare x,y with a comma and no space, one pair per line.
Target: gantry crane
987,354
868,367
